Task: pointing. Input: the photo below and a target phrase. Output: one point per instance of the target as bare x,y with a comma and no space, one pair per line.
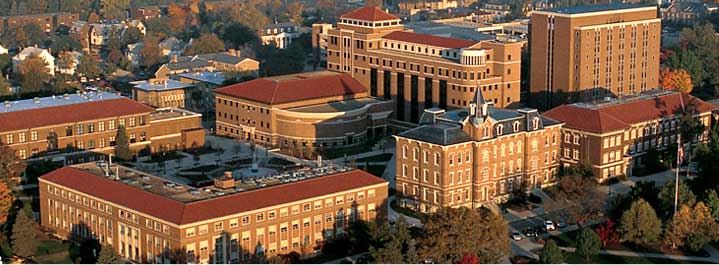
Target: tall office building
588,52
419,71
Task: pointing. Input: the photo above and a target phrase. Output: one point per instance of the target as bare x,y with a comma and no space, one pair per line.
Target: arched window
485,173
515,126
500,129
535,123
485,155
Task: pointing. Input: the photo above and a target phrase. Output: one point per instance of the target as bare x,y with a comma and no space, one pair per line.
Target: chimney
226,181
232,52
228,175
173,58
319,161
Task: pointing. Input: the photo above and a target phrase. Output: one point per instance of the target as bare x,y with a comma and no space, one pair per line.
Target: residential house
223,61
133,53
688,11
68,61
44,54
279,34
172,46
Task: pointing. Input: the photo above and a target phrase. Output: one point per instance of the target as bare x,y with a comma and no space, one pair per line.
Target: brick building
418,71
474,157
589,52
231,61
82,127
303,112
145,217
613,136
162,93
48,22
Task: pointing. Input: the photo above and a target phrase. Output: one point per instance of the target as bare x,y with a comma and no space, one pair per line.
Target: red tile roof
369,13
620,116
183,213
90,110
431,40
291,88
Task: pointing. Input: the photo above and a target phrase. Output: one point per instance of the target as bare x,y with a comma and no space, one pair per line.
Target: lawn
376,158
53,251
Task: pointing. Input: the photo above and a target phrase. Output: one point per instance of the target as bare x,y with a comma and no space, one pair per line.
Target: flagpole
676,181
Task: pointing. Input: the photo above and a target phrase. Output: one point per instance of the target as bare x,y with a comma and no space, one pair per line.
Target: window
436,159
21,137
500,129
33,136
245,220
425,156
404,151
515,126
451,159
260,217
218,226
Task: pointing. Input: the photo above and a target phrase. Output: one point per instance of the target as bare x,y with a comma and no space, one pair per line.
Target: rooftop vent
36,100
7,104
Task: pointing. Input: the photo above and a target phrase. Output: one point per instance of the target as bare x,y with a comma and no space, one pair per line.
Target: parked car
530,232
561,224
516,236
549,225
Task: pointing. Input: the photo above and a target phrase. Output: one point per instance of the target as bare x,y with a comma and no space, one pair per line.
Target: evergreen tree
11,166
551,254
108,255
640,223
666,197
588,244
122,144
712,201
24,243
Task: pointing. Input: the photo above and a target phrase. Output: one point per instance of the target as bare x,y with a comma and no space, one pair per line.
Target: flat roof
56,100
216,78
595,8
171,113
339,106
160,85
180,204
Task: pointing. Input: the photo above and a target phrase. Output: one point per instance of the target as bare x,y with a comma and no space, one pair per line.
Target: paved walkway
394,215
649,255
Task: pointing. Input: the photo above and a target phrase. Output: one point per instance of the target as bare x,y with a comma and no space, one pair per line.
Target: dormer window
535,123
515,126
500,129
485,132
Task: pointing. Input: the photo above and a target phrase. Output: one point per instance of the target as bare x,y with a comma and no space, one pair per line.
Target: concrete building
81,127
419,71
43,54
145,217
590,52
475,157
302,114
614,136
162,93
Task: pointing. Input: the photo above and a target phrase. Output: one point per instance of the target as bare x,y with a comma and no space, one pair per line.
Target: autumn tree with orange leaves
677,80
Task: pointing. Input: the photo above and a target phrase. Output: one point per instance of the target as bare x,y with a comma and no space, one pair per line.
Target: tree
677,80
88,66
64,43
122,145
93,17
179,256
640,224
108,255
577,192
238,35
33,74
666,197
24,243
113,9
130,36
248,15
712,202
469,259
387,245
179,16
294,12
693,226
451,233
707,160
11,166
551,253
588,244
207,43
377,3
607,232
151,53
5,89
6,201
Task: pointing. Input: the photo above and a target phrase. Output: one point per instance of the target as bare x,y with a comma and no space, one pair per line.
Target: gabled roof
180,213
430,40
90,110
369,13
294,87
609,117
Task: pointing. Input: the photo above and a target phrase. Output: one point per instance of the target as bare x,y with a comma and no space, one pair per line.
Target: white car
516,236
549,225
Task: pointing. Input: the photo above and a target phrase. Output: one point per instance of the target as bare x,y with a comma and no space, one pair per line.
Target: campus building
48,22
419,71
231,61
475,157
302,113
613,136
82,127
162,93
590,52
145,217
